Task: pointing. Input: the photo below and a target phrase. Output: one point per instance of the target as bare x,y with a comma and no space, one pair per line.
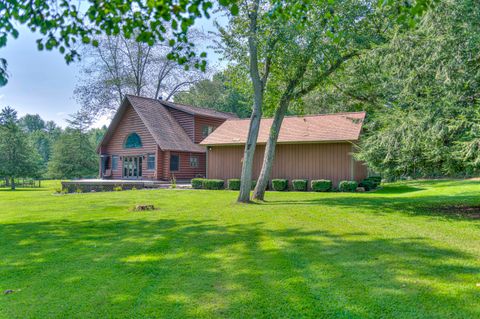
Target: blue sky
42,83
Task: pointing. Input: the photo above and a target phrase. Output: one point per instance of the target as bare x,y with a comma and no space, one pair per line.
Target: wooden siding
130,123
201,121
310,161
185,120
185,171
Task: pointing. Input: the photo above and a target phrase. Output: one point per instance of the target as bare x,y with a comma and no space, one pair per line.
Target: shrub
213,183
78,191
347,186
279,184
300,184
368,184
117,188
234,184
197,183
321,185
377,179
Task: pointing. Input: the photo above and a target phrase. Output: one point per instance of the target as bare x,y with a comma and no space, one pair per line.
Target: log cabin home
152,139
157,140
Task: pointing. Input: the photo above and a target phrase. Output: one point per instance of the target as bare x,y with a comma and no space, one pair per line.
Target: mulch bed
468,211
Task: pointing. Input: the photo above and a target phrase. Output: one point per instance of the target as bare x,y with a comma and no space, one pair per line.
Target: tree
242,39
421,94
274,28
31,123
120,66
332,33
73,156
64,24
17,157
219,93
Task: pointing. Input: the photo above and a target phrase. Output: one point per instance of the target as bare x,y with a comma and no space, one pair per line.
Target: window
174,162
133,141
114,162
151,161
193,161
207,130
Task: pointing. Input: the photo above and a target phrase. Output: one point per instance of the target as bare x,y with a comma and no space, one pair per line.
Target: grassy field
410,250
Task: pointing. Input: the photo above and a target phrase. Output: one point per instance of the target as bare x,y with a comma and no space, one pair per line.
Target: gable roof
200,111
296,129
166,131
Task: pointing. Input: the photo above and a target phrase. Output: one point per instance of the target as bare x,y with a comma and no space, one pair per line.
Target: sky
40,82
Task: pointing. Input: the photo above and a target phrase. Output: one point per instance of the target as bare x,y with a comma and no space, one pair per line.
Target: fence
21,183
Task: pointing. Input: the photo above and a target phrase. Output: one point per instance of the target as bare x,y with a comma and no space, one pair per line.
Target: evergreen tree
73,156
17,156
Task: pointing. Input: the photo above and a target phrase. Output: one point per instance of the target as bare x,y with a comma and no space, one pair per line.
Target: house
309,147
156,140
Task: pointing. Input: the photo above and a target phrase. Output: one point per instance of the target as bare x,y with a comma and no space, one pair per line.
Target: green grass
386,254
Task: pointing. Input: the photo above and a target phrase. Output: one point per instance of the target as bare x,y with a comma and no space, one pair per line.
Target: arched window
133,141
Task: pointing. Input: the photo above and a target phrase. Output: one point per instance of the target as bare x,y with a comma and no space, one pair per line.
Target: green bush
368,184
234,184
347,186
279,184
197,183
117,189
300,184
213,183
321,185
377,179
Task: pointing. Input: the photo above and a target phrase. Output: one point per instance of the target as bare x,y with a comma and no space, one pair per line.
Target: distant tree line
33,148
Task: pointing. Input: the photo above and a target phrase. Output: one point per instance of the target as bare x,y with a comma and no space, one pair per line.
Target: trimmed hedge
279,184
213,183
347,186
197,183
321,185
234,184
300,184
371,182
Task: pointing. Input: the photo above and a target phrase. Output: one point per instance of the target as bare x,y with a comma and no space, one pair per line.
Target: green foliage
73,156
420,91
197,183
234,184
321,185
368,184
347,186
117,189
300,184
63,25
279,184
213,184
18,158
219,93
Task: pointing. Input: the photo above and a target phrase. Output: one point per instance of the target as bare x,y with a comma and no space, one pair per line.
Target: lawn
406,251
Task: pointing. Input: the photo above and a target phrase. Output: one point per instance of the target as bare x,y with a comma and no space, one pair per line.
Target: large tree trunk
269,155
12,183
248,154
258,88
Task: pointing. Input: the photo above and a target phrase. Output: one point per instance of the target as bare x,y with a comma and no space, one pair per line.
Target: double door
132,167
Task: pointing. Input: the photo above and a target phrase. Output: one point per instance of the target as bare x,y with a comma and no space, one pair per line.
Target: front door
132,167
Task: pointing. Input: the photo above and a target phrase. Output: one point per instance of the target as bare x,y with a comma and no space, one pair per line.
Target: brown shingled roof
166,131
296,129
198,110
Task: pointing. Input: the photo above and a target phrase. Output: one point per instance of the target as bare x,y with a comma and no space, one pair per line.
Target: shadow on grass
171,268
